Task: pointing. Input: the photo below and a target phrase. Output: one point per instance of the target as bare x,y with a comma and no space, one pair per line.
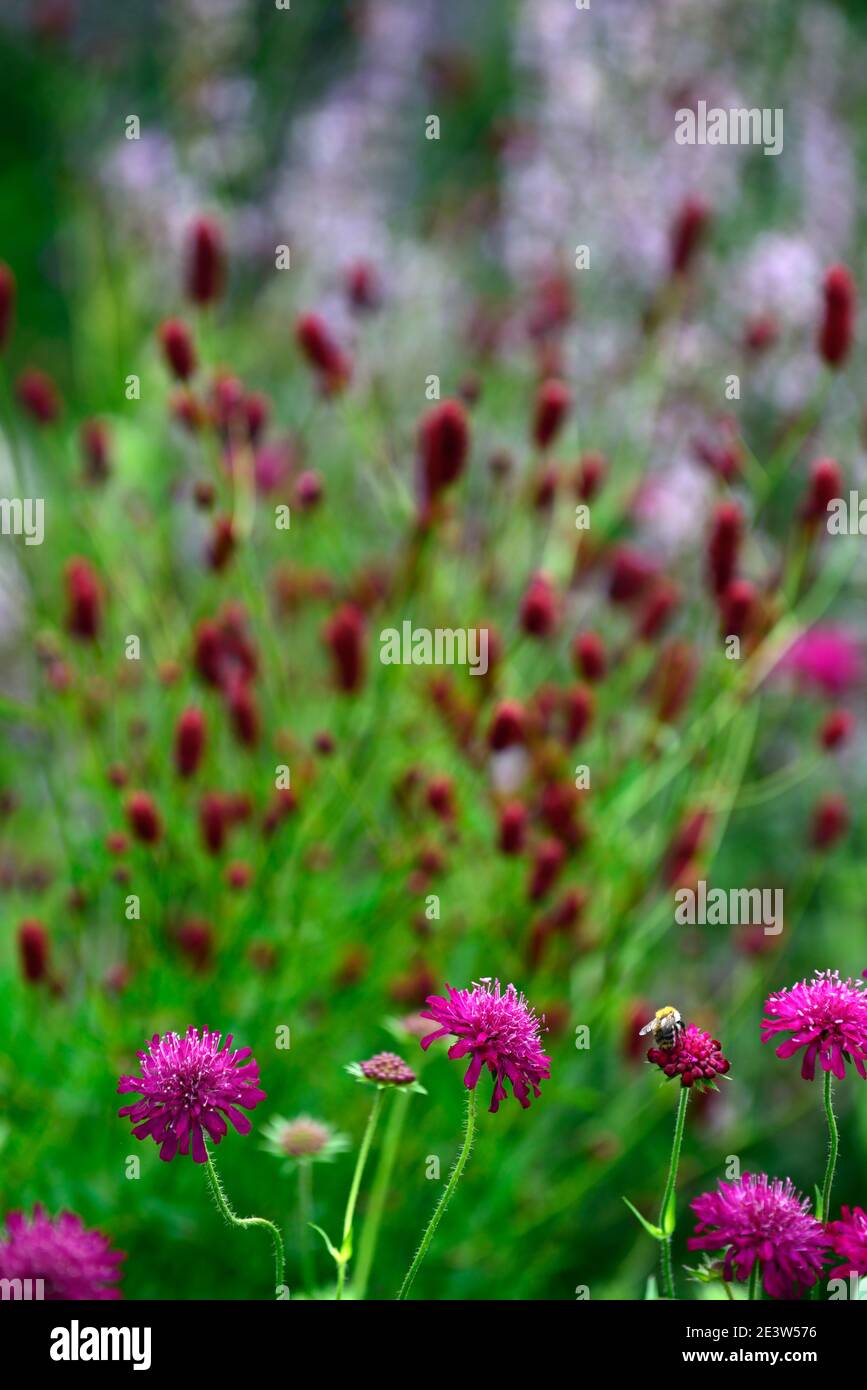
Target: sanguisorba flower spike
496,1029
827,1017
191,1086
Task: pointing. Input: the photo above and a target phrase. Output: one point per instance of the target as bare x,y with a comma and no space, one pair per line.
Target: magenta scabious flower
189,1084
765,1219
498,1031
695,1057
826,658
75,1263
848,1237
827,1016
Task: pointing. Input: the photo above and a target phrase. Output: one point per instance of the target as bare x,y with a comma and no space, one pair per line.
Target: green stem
305,1218
244,1222
379,1192
667,1209
446,1197
833,1147
353,1193
755,1284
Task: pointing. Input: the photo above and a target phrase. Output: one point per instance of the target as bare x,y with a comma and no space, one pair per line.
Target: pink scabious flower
75,1263
188,1085
695,1057
499,1031
827,1016
848,1237
765,1219
826,658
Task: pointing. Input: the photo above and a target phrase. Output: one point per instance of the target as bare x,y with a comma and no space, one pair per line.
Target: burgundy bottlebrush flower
345,635
7,303
848,1238
363,287
694,1056
673,680
215,820
257,412
578,708
764,1219
830,820
631,574
513,827
508,725
83,600
224,651
547,862
33,948
498,1030
827,1017
205,261
387,1069
75,1263
838,321
195,936
826,658
688,840
539,606
588,652
244,713
837,728
592,468
37,395
178,348
826,484
323,353
189,1084
443,446
662,602
440,797
143,818
724,545
552,405
95,441
190,734
688,230
737,607
221,543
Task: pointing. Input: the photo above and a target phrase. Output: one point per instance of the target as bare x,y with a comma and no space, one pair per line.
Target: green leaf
333,1252
649,1228
818,1203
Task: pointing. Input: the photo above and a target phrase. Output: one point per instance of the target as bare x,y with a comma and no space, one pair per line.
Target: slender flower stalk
833,1148
349,1215
379,1192
305,1219
446,1196
668,1208
245,1222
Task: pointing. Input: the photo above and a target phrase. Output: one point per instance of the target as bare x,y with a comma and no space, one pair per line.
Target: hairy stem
666,1211
445,1198
353,1192
244,1222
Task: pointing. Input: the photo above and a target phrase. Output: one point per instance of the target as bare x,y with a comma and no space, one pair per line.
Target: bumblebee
665,1026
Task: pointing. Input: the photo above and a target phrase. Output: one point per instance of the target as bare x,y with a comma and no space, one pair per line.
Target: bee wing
648,1028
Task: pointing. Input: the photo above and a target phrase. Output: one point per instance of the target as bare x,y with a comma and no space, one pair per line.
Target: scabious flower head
74,1262
827,658
765,1219
303,1140
189,1084
497,1030
387,1069
695,1057
827,1017
848,1237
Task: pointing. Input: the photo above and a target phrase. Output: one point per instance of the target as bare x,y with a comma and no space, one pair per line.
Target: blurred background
307,128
